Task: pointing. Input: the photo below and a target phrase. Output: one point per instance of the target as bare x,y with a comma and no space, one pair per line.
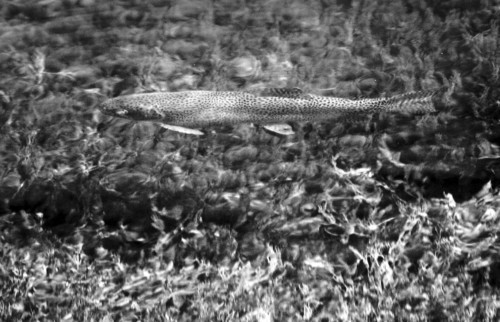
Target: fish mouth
105,108
108,108
121,113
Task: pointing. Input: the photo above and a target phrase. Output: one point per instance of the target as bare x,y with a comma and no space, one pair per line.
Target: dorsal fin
287,92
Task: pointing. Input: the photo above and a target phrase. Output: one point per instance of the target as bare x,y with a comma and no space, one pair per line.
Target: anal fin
280,129
181,129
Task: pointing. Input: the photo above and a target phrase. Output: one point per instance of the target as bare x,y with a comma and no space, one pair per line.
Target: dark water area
388,216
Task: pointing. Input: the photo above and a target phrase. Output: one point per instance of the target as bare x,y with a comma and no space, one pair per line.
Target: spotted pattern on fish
196,109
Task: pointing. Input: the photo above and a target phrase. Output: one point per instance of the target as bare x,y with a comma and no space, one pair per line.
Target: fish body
196,109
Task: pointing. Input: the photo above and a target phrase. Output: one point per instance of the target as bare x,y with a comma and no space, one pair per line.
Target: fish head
112,107
129,108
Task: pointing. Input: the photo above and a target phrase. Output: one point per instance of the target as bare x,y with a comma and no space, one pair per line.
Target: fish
188,111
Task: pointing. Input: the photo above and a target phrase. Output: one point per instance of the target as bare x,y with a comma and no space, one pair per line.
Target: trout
187,111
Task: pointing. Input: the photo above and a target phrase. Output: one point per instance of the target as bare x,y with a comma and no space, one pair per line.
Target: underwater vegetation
395,217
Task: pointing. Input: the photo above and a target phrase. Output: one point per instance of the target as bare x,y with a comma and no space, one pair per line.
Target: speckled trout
188,111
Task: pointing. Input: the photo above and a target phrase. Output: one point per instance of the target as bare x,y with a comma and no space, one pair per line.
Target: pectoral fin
280,129
181,129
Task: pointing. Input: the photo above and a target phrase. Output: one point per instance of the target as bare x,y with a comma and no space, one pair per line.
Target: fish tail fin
411,103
